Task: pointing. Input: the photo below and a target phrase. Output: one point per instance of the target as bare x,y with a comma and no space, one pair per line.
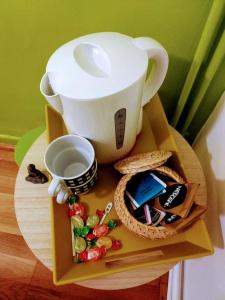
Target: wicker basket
131,166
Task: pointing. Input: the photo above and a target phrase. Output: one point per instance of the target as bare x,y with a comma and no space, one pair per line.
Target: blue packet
143,187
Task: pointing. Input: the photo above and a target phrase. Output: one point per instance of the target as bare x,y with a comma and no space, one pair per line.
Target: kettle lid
96,65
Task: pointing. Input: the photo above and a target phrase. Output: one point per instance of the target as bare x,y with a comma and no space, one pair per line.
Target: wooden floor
23,277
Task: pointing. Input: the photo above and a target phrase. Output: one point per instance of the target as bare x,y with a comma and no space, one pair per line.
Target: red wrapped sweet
94,254
83,256
90,237
71,212
100,212
116,245
103,250
80,210
100,230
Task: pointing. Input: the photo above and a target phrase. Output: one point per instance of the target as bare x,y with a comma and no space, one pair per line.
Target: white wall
205,278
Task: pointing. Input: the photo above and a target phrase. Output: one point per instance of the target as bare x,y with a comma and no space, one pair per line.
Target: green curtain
205,80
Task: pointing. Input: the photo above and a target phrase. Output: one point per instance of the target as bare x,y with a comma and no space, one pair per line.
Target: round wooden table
32,208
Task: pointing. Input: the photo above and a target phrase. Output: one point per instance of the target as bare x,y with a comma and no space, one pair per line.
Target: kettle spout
47,91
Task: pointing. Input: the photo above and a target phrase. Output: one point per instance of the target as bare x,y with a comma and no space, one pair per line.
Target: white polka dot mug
70,159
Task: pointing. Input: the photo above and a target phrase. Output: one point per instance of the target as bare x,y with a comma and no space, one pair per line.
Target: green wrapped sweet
79,244
92,220
112,224
92,243
77,221
72,199
81,231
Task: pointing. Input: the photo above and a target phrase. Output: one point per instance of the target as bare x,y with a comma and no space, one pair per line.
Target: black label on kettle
120,121
174,196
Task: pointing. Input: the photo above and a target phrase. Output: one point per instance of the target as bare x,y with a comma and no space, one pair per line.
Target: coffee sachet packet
177,199
143,215
149,215
156,215
179,224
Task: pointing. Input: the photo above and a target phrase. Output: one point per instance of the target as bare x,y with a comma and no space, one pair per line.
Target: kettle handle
156,52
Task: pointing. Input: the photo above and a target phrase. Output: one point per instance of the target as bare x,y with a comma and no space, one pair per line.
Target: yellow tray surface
136,252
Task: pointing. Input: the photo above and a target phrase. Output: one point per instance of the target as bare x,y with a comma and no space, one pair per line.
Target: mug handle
63,195
155,79
59,190
54,187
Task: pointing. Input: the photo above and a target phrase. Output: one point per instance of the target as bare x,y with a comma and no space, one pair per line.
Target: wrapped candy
92,220
100,213
71,212
116,245
80,210
81,231
77,221
100,230
112,224
90,241
79,244
103,250
83,256
90,237
72,199
104,241
92,254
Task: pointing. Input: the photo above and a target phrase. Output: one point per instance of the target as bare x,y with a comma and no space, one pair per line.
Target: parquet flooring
23,277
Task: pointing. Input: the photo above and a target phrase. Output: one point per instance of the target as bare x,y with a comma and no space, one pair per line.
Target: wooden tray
136,251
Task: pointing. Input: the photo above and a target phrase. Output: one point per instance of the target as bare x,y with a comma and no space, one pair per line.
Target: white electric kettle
98,83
